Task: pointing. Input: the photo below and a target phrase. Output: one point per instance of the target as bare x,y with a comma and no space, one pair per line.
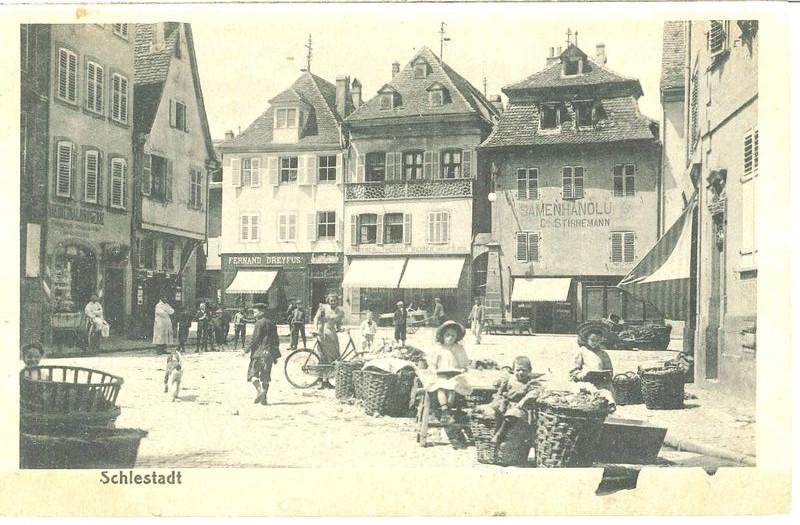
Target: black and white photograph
391,237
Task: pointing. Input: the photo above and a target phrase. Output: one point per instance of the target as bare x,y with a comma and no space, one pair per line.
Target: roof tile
151,66
673,59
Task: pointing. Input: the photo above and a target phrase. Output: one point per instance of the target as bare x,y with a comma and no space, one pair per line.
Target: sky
246,59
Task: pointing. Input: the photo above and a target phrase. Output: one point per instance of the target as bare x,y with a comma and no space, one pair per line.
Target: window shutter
446,226
147,177
73,77
311,226
90,176
566,182
272,169
255,232
748,154
427,165
168,182
435,165
407,228
430,226
617,181
391,169
201,183
63,169
616,247
379,233
236,172
522,184
244,227
90,85
353,230
255,172
339,228
311,168
339,168
119,171
63,64
99,88
302,171
522,247
630,180
533,183
359,168
577,182
533,247
466,163
172,114
629,247
123,94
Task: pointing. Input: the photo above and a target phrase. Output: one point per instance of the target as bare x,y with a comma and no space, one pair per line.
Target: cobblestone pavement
215,422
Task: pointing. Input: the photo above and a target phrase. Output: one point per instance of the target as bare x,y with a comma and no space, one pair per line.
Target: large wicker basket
566,437
627,389
95,448
513,450
379,392
662,387
400,405
479,396
358,383
344,378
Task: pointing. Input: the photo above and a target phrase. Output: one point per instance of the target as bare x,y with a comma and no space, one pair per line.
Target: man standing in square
476,316
264,353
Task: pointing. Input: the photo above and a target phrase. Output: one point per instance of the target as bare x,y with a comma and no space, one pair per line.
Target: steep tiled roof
550,77
152,66
463,97
620,121
321,130
673,59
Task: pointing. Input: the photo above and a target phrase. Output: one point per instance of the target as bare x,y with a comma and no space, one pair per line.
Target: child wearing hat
448,360
400,323
264,353
592,363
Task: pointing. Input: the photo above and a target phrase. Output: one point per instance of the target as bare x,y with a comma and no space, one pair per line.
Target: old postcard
396,259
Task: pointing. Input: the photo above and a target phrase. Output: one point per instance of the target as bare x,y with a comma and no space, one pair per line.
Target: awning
541,289
252,281
663,276
374,272
432,272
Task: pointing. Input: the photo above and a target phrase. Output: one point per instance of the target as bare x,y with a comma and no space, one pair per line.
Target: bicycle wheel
302,368
412,329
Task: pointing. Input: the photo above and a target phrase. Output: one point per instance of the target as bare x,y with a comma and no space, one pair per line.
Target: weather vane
309,54
442,40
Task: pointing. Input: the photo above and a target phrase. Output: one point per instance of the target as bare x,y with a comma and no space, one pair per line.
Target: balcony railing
416,189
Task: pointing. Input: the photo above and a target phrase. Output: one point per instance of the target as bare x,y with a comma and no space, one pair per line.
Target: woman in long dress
162,325
327,320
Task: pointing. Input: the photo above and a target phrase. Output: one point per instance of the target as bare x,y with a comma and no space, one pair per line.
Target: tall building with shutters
76,170
415,194
174,156
282,188
575,177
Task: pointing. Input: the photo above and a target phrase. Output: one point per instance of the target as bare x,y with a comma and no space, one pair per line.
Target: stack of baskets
627,389
514,448
345,387
568,427
663,387
387,394
67,419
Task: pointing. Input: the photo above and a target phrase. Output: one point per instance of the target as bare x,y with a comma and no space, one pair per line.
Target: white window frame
119,98
282,118
623,237
70,75
589,106
628,181
384,98
572,194
121,30
95,88
70,166
86,197
287,224
119,178
329,169
251,226
196,189
327,224
289,170
555,106
436,97
438,227
528,236
530,174
748,252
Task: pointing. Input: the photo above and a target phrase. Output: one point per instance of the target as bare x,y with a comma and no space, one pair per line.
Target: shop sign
324,258
77,214
580,214
266,260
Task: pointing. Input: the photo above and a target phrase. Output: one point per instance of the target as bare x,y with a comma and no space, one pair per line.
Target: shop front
546,301
325,277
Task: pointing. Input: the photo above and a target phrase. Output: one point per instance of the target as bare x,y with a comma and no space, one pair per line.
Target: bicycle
303,368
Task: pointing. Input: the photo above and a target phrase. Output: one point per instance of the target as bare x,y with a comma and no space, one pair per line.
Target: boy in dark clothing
400,322
298,325
264,352
184,321
204,333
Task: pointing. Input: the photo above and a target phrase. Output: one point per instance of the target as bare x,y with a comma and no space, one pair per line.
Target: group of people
213,326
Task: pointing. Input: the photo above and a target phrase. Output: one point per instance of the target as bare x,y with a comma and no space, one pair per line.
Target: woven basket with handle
378,391
345,389
627,389
662,387
514,448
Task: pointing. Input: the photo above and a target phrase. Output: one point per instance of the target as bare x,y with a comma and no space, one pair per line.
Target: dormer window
286,118
549,117
389,97
572,67
437,94
420,68
387,101
584,117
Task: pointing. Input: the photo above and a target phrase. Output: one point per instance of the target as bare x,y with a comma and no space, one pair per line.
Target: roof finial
309,54
576,38
569,36
442,40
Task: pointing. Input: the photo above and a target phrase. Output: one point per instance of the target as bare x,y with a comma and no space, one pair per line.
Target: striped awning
663,276
252,281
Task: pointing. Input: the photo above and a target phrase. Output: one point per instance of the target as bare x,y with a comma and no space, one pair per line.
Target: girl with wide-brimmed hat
592,363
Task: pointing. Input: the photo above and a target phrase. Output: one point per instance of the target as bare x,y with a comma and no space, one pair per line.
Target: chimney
497,102
229,135
355,93
553,58
343,106
395,68
158,37
600,54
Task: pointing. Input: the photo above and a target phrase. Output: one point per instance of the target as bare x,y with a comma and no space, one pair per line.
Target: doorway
114,299
714,308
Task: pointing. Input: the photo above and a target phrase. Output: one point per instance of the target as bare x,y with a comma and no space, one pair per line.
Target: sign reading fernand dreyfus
263,259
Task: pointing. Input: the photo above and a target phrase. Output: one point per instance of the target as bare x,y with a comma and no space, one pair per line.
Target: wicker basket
67,390
92,449
512,451
566,437
378,390
480,396
74,422
627,389
344,378
662,387
358,383
401,394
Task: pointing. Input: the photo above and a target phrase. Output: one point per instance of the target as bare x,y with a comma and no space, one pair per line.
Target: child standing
368,329
239,327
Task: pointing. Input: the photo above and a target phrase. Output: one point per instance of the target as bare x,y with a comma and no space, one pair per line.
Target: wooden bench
513,327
